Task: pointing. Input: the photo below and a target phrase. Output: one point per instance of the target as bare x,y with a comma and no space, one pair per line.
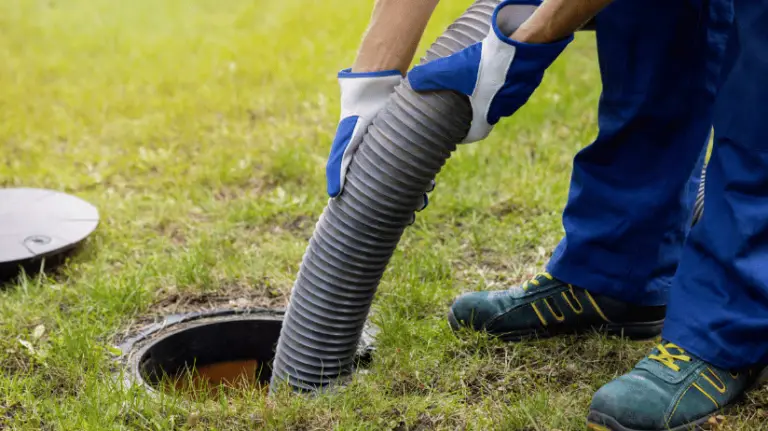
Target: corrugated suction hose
698,206
404,149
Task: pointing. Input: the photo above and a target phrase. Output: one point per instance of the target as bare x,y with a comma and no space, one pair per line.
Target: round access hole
232,353
201,353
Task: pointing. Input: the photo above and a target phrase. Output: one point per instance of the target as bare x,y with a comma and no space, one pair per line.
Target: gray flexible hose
698,206
402,152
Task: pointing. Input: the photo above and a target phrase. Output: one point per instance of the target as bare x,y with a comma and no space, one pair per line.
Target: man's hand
385,54
498,74
363,95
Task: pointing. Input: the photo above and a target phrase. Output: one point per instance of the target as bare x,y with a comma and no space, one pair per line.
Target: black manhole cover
37,224
200,352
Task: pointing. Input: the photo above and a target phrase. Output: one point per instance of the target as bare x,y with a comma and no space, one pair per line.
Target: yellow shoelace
534,281
667,358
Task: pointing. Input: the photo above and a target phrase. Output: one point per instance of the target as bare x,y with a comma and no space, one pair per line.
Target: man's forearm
393,35
556,19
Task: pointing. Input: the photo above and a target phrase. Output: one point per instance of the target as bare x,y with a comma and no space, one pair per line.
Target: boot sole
630,330
597,421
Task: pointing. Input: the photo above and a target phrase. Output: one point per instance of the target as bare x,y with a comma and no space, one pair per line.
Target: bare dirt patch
236,295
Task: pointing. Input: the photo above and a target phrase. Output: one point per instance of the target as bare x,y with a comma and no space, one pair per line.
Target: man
627,264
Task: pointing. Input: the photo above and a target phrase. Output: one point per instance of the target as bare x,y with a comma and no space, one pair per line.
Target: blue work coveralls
671,70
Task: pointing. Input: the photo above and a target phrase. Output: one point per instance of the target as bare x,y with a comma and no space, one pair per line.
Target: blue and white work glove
363,95
498,74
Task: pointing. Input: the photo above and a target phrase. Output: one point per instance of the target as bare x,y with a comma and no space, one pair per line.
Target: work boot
544,306
669,389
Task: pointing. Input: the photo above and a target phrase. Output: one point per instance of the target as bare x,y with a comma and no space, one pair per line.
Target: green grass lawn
200,130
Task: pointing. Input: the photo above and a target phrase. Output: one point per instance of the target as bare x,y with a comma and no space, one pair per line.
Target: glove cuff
507,18
365,93
349,74
509,15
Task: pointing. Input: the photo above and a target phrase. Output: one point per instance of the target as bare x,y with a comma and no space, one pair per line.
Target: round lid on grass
40,223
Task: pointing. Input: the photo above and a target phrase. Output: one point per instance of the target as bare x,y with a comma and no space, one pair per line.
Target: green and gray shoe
544,306
668,390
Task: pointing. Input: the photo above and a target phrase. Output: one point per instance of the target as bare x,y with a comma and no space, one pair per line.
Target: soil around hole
236,295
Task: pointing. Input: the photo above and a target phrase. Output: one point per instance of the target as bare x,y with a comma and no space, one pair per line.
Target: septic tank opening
206,357
211,349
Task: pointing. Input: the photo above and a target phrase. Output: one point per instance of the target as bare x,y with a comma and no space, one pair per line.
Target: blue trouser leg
718,307
628,208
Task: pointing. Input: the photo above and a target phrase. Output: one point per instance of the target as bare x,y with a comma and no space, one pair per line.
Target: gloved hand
363,95
498,74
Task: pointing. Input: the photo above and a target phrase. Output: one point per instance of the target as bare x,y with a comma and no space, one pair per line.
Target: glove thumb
457,72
